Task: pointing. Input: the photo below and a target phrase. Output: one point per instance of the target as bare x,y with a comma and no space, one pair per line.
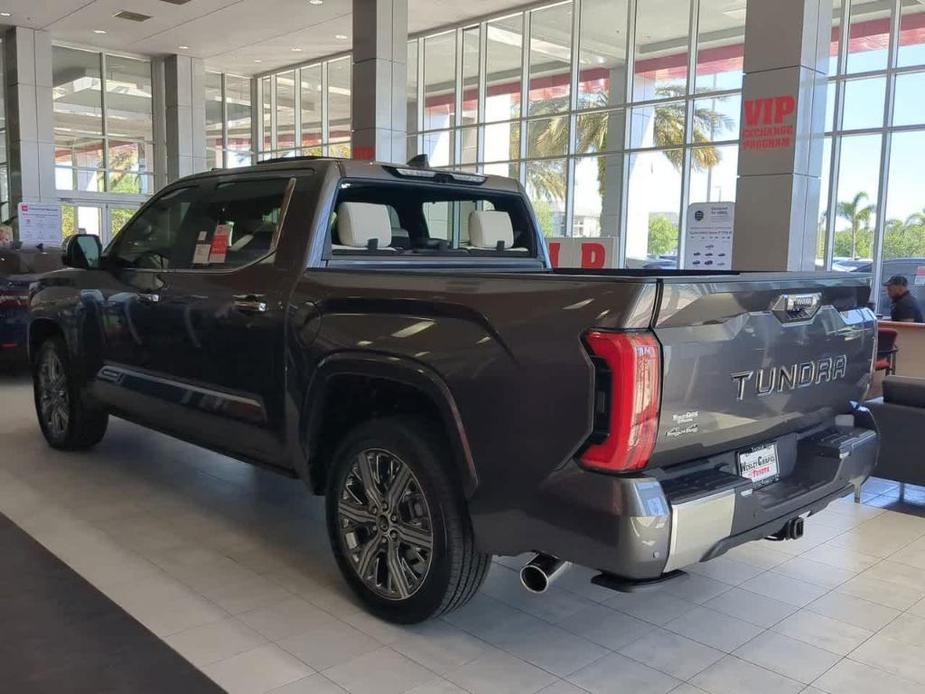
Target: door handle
250,303
149,298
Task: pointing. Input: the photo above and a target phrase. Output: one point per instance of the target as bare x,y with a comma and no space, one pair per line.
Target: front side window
205,228
150,241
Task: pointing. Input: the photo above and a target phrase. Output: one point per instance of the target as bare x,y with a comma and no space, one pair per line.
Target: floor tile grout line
31,481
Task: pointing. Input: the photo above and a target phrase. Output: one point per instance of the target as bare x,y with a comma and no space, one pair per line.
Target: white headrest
358,222
487,227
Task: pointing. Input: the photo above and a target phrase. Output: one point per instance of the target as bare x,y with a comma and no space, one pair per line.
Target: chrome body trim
697,525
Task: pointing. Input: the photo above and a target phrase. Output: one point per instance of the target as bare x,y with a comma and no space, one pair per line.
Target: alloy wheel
385,525
54,399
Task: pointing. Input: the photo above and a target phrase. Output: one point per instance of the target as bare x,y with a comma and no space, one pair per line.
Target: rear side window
240,223
405,219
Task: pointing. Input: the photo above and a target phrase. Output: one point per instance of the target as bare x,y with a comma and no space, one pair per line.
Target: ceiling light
315,2
296,50
257,60
99,31
340,37
183,48
5,14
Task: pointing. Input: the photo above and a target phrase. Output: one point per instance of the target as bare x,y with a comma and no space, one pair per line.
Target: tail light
628,368
13,296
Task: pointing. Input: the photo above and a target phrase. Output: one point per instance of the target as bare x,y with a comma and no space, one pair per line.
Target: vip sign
588,254
769,123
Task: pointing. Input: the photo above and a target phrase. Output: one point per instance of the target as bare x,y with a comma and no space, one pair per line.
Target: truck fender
388,367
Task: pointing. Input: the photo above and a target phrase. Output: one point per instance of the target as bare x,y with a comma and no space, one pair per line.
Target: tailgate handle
790,308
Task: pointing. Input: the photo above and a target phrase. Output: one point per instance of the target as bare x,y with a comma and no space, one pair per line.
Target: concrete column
185,115
781,136
29,116
380,77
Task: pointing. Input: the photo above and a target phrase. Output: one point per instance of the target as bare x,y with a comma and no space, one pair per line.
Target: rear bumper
642,527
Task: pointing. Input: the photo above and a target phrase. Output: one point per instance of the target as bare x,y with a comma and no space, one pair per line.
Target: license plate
759,465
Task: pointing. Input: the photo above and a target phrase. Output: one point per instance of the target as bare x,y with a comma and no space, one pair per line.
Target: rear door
751,357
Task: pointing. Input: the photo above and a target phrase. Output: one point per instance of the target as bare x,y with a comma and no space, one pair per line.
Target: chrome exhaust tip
542,570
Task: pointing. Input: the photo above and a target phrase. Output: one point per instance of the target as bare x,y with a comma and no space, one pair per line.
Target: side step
631,585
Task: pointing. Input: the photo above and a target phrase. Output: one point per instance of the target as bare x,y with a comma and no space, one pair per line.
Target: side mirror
83,251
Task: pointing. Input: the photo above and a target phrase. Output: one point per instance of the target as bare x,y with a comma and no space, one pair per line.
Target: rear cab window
409,219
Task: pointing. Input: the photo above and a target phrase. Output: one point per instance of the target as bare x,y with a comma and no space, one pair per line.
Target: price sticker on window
219,249
220,238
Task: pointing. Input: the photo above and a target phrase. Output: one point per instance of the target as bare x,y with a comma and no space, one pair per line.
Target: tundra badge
777,379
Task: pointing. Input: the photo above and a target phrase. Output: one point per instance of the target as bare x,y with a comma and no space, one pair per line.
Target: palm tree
916,219
667,134
858,215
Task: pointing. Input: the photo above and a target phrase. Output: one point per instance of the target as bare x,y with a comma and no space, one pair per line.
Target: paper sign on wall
708,240
920,276
588,254
39,223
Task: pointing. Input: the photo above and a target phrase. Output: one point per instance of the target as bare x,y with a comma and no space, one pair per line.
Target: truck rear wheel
67,420
398,524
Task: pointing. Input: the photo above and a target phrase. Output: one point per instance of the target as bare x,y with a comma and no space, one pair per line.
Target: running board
632,585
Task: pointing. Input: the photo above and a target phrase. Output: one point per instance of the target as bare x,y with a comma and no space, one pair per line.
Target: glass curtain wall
614,114
306,110
103,122
872,208
228,121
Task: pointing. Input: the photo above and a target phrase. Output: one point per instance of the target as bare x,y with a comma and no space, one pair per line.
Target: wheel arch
348,388
40,329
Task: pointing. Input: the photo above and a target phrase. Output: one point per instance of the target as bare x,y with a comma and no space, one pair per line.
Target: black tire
456,569
75,424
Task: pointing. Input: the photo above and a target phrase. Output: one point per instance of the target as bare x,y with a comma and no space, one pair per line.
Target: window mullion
886,144
627,98
103,123
524,92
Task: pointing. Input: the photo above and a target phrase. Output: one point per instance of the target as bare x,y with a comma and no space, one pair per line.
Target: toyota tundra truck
396,337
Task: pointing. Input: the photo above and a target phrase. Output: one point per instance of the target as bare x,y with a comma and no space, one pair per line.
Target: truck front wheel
398,524
67,419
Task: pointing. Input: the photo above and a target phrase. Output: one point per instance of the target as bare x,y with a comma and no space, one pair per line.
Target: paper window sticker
219,248
201,256
203,235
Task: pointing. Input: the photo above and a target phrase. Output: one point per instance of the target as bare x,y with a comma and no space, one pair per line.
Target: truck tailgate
748,358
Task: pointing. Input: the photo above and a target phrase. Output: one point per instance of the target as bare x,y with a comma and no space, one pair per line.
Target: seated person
904,308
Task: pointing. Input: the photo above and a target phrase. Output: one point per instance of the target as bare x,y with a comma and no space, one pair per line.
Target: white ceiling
231,35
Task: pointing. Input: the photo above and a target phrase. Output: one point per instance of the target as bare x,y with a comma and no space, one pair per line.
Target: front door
138,335
225,314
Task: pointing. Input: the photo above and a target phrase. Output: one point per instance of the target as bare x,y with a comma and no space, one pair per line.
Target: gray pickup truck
395,337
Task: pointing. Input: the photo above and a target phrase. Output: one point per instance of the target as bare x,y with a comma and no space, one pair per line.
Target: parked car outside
19,267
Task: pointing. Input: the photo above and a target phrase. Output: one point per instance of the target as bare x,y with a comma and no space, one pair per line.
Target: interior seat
488,229
359,223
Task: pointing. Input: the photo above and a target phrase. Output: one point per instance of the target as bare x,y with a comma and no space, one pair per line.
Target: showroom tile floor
230,566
